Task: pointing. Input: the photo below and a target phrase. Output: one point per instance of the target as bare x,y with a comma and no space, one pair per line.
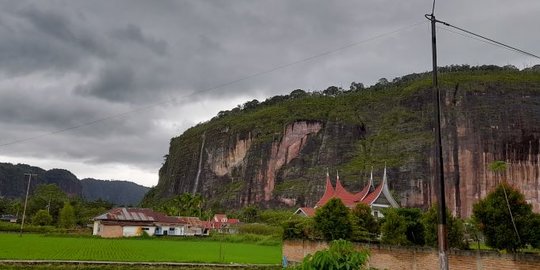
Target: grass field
34,246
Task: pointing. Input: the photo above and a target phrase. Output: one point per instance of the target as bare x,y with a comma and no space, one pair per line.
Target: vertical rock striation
274,164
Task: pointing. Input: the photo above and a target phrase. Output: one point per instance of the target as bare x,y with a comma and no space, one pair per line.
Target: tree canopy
333,220
494,215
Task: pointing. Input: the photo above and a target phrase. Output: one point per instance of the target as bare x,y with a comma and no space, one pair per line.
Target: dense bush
260,229
340,255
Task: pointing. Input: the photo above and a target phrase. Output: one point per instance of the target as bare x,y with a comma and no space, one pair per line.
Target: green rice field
43,247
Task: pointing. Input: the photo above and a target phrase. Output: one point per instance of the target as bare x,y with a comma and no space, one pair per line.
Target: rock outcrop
277,154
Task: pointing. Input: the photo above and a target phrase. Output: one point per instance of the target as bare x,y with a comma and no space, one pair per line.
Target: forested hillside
117,192
275,153
13,183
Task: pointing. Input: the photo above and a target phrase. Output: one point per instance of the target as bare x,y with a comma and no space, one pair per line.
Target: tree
186,204
47,196
356,86
394,228
340,255
332,91
365,226
298,93
495,221
250,214
42,218
333,220
66,218
454,226
362,215
403,226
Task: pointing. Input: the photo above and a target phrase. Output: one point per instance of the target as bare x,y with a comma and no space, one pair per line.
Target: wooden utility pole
26,200
439,169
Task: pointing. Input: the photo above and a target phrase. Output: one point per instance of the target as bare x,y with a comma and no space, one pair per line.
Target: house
222,224
377,197
127,222
8,218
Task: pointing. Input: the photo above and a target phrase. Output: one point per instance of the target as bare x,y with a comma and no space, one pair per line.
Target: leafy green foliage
394,228
47,196
183,205
454,227
365,221
250,214
403,226
333,220
301,228
261,229
340,255
42,218
493,216
66,218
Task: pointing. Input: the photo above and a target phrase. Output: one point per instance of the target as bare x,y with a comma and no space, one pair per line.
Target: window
145,229
171,229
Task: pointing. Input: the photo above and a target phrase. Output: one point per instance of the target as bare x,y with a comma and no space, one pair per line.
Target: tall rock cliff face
240,170
493,122
277,154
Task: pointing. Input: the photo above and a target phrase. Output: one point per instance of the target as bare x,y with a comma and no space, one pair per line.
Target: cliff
276,153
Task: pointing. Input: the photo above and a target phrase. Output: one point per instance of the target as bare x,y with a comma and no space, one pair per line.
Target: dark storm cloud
133,33
67,63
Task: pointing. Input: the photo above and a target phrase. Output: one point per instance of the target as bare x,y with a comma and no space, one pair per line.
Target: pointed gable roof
365,191
346,197
382,188
328,192
306,211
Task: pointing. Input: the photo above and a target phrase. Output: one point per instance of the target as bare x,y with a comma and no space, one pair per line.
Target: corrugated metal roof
135,214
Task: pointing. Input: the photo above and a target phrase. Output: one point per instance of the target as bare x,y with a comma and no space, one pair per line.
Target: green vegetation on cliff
393,121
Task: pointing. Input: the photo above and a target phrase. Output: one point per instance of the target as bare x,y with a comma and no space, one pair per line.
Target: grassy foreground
42,247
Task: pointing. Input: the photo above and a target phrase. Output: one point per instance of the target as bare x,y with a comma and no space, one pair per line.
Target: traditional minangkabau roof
351,199
307,211
328,192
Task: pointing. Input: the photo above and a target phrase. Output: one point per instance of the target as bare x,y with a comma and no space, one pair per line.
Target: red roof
371,197
348,198
328,192
309,211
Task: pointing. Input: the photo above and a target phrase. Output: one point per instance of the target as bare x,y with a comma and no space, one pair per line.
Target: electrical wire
471,37
215,87
488,39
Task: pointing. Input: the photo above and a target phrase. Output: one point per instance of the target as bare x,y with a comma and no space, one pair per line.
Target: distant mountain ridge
13,184
115,191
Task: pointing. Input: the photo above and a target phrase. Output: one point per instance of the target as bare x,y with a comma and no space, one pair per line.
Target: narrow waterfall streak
200,165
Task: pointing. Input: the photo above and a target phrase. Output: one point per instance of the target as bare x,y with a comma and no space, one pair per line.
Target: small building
127,222
8,218
376,197
222,224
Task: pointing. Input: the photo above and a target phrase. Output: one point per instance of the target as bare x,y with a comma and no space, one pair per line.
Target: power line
492,41
471,37
218,86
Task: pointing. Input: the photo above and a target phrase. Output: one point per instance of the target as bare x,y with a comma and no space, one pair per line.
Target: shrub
340,255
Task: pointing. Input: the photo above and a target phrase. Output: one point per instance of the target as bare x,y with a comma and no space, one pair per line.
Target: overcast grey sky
65,63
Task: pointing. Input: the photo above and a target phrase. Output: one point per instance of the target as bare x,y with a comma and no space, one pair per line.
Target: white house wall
95,229
128,231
